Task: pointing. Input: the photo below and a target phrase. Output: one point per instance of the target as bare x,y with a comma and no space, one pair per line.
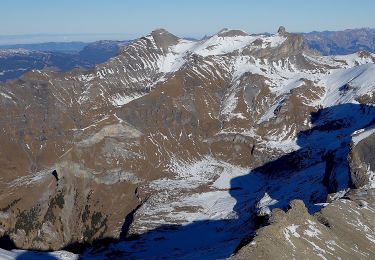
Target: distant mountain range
15,60
341,42
68,47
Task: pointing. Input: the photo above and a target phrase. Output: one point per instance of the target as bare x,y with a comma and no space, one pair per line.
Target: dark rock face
164,39
281,30
362,162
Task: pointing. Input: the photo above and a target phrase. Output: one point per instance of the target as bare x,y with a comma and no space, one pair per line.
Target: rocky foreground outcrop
344,229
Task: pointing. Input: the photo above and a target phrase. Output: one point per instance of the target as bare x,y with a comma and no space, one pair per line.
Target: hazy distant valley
16,60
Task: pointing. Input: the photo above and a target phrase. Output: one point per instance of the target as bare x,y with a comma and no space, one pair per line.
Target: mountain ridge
181,134
318,41
342,42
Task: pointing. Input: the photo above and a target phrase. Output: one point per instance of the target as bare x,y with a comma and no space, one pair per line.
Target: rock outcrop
362,162
343,229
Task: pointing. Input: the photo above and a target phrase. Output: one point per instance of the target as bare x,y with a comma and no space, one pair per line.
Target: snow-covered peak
228,41
231,33
219,45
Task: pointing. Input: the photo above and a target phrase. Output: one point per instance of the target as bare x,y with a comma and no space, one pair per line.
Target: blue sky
132,18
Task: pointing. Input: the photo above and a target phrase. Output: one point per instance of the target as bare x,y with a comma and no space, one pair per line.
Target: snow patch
264,204
289,232
120,100
32,255
361,134
313,231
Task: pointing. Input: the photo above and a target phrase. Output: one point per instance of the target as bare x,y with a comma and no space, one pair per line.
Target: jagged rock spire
281,30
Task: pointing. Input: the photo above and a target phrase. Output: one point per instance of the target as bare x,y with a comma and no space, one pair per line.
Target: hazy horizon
88,38
45,38
86,20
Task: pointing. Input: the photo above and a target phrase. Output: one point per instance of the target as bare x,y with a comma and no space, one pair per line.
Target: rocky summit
237,145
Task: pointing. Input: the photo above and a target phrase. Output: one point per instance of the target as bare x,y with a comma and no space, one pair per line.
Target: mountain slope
175,138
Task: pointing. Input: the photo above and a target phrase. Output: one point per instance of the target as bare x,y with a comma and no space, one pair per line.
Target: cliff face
362,161
173,138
